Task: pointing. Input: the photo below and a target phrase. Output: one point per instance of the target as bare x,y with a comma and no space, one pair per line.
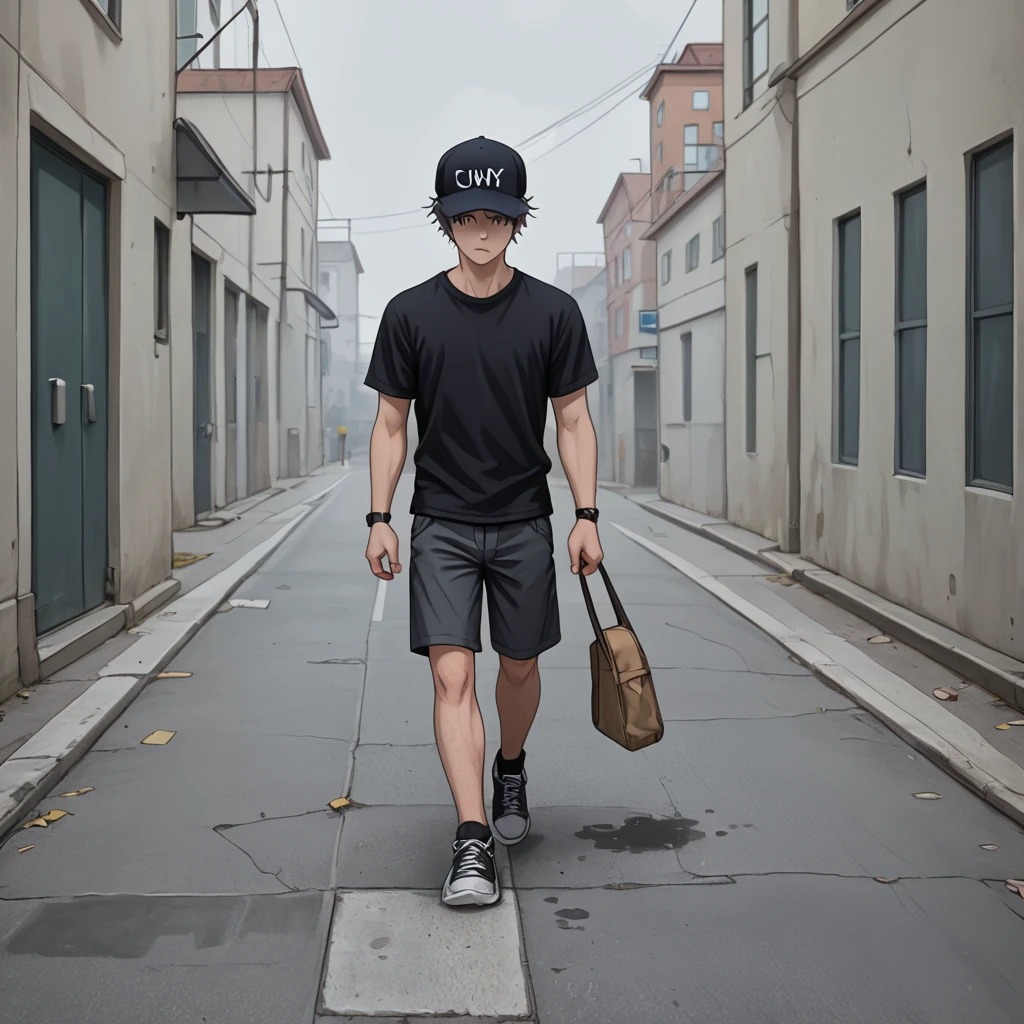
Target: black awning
316,304
205,185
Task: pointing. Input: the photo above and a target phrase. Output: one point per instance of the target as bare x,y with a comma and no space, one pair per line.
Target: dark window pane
687,378
993,227
849,399
911,382
913,267
849,275
752,360
993,400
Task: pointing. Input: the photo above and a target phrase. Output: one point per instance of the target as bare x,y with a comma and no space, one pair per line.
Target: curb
35,767
816,579
953,745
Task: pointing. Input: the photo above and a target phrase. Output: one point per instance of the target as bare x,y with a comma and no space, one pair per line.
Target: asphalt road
767,863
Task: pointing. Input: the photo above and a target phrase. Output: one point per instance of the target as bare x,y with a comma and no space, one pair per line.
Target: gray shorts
449,565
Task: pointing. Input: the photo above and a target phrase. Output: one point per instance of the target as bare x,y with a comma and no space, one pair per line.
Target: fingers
592,560
377,566
391,547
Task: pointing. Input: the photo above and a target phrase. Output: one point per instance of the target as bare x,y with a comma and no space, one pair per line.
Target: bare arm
388,446
577,448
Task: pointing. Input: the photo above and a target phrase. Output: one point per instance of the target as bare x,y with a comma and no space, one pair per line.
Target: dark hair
444,223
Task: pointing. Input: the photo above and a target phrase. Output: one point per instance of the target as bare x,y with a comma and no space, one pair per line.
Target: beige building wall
904,97
107,99
758,203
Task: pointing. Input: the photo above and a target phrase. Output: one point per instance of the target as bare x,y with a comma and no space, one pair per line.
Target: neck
481,280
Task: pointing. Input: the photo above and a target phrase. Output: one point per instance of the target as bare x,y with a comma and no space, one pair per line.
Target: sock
513,767
473,830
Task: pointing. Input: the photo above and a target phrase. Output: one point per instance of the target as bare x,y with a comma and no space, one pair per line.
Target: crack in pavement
717,643
276,817
773,718
732,877
252,860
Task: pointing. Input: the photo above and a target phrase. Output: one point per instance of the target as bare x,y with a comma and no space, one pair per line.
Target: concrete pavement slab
385,774
830,792
405,952
396,847
776,950
165,960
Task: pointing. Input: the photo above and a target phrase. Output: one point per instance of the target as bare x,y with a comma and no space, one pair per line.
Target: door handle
58,401
89,390
209,430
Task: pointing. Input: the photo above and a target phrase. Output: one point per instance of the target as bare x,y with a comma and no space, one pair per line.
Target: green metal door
202,464
69,387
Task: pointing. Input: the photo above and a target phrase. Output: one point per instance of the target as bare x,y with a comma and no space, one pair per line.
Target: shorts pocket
419,524
542,525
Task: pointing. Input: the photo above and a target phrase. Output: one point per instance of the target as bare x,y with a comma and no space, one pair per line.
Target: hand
383,541
584,542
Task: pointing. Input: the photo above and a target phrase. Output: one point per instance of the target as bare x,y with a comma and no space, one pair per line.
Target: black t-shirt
481,372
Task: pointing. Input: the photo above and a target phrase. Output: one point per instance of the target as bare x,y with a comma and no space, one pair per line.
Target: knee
453,681
518,673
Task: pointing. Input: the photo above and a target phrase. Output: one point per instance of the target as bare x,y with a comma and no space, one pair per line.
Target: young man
481,349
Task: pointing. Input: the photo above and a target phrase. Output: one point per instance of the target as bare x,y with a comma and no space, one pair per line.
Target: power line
682,25
388,231
284,25
559,145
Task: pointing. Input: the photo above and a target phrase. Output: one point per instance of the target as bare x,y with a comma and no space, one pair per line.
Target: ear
520,224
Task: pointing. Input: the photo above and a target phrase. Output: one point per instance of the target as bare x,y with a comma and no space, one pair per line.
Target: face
482,236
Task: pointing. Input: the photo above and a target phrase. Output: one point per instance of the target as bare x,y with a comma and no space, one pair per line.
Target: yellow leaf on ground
1004,726
183,558
174,675
54,815
160,737
887,881
1019,721
927,796
880,639
25,849
337,805
945,693
36,821
79,792
24,694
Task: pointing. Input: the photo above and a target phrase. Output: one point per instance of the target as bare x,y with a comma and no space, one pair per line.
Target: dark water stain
709,810
582,856
721,833
558,970
550,899
642,834
749,826
573,914
337,661
284,586
734,826
379,943
566,927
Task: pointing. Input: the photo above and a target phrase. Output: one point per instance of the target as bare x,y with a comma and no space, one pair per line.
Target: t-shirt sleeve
392,369
571,366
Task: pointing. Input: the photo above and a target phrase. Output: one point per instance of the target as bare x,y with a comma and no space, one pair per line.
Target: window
161,263
911,331
659,152
848,361
661,113
687,378
717,240
690,134
627,264
649,352
719,127
693,253
755,46
701,99
112,9
188,26
616,276
666,267
629,228
990,341
618,322
751,283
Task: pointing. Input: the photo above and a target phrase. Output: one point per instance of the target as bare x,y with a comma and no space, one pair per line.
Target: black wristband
378,517
587,513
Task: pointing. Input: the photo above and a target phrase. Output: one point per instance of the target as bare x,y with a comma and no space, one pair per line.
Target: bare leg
459,728
518,696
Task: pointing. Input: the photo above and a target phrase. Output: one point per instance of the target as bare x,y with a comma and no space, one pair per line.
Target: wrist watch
587,513
378,517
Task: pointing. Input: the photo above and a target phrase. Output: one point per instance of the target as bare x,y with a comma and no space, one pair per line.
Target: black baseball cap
481,174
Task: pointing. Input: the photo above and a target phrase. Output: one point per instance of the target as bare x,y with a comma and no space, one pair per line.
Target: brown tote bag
622,701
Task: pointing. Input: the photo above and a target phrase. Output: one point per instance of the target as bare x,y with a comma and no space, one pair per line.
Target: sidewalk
884,657
44,732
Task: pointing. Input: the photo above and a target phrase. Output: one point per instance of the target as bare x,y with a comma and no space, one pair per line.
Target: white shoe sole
469,898
499,838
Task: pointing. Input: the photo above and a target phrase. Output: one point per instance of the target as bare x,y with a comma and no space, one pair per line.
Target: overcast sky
397,82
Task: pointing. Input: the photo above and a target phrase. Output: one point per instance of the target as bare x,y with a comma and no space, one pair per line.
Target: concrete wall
693,303
757,197
109,102
928,83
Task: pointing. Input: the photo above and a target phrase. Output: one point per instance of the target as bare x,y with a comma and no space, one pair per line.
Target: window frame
693,246
686,338
660,116
627,263
718,130
750,345
749,81
902,326
700,92
718,244
161,282
660,154
691,146
619,320
843,337
666,267
975,316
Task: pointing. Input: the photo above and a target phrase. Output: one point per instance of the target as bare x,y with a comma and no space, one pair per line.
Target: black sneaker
510,816
473,878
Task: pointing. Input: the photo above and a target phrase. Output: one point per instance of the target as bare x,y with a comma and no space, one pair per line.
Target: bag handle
620,613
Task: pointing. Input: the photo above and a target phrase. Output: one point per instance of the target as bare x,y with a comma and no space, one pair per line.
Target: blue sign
648,321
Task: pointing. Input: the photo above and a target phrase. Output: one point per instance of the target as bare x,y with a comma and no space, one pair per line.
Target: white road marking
381,961
244,602
378,601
